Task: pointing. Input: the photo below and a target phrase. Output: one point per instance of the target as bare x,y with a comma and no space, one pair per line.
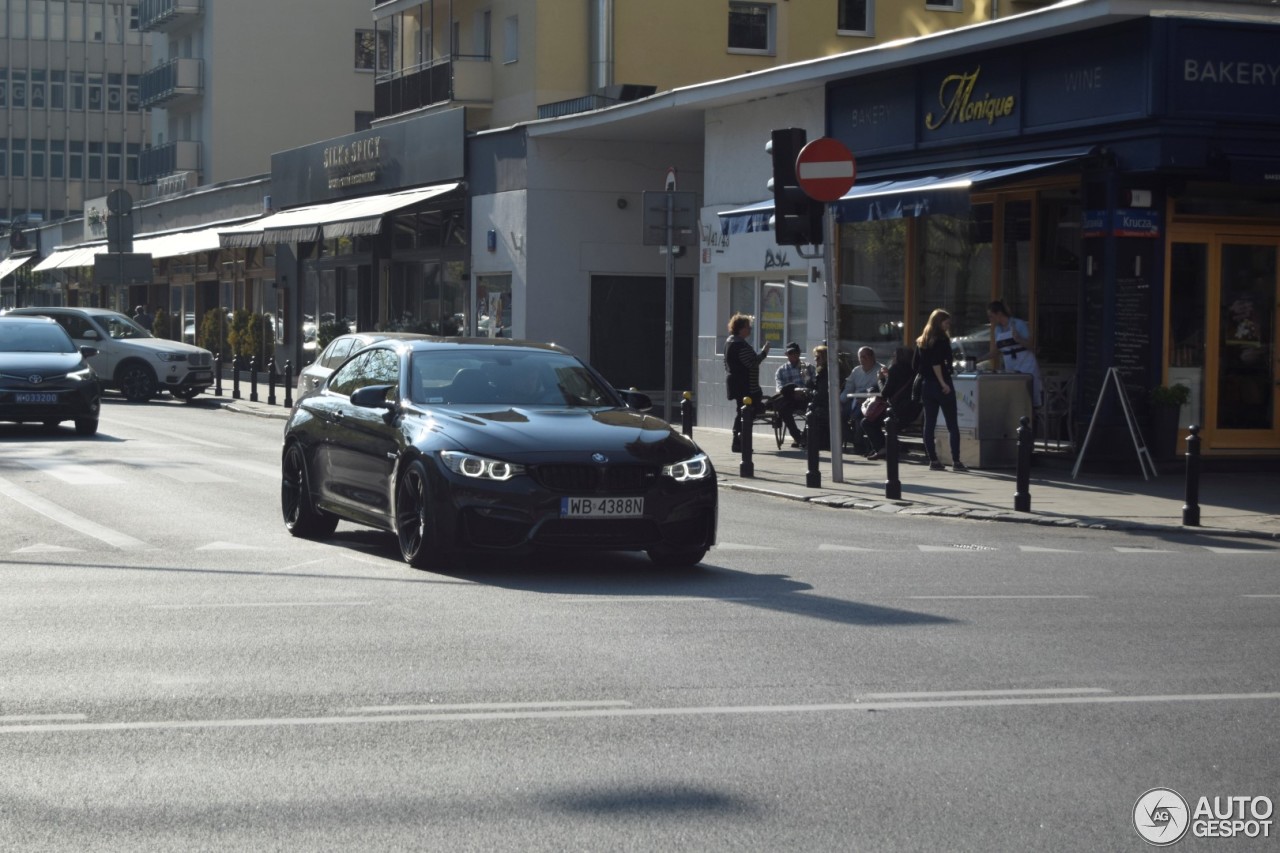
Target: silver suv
129,357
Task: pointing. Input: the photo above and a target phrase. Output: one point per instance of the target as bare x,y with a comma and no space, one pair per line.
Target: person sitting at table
792,375
863,379
895,386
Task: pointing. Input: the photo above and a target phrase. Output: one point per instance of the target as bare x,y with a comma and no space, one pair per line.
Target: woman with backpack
933,363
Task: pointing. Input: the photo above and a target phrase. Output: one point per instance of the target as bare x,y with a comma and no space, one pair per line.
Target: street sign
825,169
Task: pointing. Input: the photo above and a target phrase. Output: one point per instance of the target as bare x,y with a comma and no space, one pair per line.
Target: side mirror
373,397
91,335
636,400
88,351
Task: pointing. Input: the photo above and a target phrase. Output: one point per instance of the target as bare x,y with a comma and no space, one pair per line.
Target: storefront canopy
894,199
9,265
166,245
346,218
70,256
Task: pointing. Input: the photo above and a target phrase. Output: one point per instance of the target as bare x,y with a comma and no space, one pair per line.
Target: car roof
42,310
432,342
27,319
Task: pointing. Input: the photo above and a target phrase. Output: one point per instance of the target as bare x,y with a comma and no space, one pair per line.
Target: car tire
187,394
415,527
676,557
86,426
301,518
51,424
136,382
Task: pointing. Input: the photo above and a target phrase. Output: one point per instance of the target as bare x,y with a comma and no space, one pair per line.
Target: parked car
314,374
44,377
463,445
131,359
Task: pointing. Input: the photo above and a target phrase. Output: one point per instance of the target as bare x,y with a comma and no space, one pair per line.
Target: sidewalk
1240,504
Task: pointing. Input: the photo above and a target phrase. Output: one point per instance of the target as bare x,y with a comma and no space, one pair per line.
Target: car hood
159,345
531,434
23,364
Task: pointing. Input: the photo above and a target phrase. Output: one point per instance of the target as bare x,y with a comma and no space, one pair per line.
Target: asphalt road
176,672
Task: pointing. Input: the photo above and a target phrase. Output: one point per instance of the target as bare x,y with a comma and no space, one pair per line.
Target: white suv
129,358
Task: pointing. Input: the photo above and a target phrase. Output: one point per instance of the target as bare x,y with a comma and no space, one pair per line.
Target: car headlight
81,375
695,468
171,356
480,467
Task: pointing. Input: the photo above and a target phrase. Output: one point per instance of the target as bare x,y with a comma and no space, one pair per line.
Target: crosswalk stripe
75,474
1036,549
192,474
50,510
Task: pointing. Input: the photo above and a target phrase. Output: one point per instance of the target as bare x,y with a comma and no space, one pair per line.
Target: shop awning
11,264
71,256
347,218
179,243
896,198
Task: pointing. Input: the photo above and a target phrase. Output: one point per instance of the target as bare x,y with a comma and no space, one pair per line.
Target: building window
856,17
57,159
511,39
364,121
114,164
18,167
18,88
77,90
75,161
38,157
751,27
4,157
95,161
4,85
115,92
131,92
57,20
131,162
95,92
37,88
38,19
373,50
75,21
945,5
57,90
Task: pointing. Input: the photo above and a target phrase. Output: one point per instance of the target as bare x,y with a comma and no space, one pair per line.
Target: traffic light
797,219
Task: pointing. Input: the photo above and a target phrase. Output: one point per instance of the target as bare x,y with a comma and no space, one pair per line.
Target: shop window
1058,277
855,17
873,261
954,272
1015,267
493,306
1188,303
780,306
751,27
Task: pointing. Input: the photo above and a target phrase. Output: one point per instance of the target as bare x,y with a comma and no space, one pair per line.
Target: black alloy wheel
301,518
414,525
137,383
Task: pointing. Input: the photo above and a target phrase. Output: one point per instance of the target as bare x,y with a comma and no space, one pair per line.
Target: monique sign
959,106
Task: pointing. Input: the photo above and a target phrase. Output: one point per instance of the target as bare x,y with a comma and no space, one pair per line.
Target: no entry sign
825,169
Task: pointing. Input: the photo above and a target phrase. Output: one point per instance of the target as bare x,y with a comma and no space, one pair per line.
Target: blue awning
895,199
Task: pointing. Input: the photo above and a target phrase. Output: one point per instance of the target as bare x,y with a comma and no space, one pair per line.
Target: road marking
69,519
228,546
1035,549
601,713
1260,552
184,438
77,474
945,694
491,706
18,718
1123,550
41,548
827,547
1260,595
260,604
738,546
649,598
991,597
954,549
192,474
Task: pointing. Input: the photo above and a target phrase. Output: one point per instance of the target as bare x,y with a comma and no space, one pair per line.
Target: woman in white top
1013,342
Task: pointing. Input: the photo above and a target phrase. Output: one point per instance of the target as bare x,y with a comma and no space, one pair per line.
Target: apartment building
73,126
232,81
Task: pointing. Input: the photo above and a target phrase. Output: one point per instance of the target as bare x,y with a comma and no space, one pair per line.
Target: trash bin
991,406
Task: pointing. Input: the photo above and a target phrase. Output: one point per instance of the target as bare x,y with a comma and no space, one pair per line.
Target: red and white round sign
825,169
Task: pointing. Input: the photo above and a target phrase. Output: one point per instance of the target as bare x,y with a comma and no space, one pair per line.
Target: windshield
34,337
503,376
119,326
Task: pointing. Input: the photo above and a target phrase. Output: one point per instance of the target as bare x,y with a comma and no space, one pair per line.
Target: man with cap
790,376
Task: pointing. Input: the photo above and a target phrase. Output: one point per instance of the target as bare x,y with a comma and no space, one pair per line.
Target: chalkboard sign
1131,353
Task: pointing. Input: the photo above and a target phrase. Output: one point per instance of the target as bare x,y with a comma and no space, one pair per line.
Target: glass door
1224,304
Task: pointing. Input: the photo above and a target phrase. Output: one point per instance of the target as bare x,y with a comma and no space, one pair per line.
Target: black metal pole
892,485
288,383
253,379
235,377
217,375
686,414
1022,495
271,381
813,475
746,415
1191,509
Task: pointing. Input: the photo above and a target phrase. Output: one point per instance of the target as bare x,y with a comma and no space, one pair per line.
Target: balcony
163,160
459,79
616,94
162,16
177,78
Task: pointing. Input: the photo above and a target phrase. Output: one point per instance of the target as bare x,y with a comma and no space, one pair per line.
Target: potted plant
1166,410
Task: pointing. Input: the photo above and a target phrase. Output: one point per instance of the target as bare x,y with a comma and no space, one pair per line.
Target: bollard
253,379
746,415
892,486
1022,493
217,375
686,414
288,383
235,377
271,381
812,476
1191,509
